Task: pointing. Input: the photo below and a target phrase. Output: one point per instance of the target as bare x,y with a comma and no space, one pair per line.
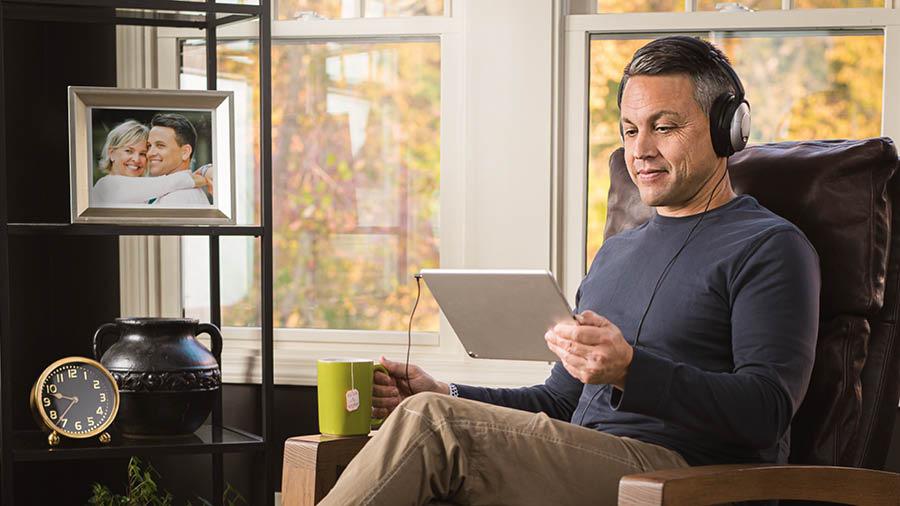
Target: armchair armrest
746,482
312,464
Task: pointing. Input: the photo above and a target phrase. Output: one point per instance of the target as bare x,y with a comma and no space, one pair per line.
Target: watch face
76,397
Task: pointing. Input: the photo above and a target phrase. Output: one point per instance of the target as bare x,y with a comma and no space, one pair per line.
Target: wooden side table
312,465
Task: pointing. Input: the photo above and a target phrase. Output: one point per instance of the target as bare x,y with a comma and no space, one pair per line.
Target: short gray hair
126,133
675,55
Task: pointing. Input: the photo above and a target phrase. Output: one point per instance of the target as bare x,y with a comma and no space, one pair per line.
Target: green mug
345,396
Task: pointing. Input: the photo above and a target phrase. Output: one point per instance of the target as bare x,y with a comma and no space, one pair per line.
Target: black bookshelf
24,239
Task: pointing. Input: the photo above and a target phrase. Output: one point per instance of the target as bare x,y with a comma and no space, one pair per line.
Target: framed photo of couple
151,157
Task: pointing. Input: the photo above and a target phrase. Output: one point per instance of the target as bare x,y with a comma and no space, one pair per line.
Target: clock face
76,397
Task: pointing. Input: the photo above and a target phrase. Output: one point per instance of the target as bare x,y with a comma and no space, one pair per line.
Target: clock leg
105,438
53,439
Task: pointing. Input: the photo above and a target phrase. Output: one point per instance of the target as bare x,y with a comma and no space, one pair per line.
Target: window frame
465,241
553,68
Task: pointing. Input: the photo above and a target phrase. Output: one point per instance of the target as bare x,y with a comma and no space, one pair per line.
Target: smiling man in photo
172,140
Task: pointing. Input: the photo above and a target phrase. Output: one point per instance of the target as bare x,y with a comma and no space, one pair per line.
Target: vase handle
104,329
215,337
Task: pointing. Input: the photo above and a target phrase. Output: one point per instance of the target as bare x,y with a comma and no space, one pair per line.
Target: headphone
729,116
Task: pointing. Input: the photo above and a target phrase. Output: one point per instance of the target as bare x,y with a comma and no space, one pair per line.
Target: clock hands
61,396
74,401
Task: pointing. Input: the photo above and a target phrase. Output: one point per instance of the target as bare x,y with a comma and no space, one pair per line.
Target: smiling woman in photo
124,160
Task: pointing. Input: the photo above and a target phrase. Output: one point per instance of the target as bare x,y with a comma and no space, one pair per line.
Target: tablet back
500,313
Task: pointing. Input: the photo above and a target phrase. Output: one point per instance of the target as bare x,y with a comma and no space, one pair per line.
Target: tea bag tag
352,399
352,394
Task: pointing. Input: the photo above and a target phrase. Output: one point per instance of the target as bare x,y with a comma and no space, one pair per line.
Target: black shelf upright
215,272
6,432
267,253
214,440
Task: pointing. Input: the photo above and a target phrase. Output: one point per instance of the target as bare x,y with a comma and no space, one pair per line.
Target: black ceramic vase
167,379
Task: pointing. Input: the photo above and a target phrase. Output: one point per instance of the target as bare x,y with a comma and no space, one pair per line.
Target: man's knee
424,400
422,409
430,405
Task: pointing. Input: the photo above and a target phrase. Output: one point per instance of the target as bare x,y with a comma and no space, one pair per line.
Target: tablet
500,313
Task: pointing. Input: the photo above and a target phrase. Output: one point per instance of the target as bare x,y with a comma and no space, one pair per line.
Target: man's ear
186,151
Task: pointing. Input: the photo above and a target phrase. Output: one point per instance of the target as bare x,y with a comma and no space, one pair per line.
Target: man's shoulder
763,234
753,218
743,220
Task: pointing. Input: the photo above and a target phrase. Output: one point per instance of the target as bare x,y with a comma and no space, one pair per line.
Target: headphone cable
409,329
677,253
660,280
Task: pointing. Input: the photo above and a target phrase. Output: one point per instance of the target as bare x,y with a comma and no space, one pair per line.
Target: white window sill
295,358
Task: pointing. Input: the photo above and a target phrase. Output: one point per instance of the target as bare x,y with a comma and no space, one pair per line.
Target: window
615,6
356,168
809,85
336,9
811,69
427,133
395,148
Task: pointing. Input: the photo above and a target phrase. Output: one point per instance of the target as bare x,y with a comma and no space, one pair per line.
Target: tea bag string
352,382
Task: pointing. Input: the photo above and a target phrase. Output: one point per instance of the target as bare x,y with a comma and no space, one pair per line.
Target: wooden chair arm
703,485
312,465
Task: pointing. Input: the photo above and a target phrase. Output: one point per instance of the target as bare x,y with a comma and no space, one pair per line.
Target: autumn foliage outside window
356,174
820,85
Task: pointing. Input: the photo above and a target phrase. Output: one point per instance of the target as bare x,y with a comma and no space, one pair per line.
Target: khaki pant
435,447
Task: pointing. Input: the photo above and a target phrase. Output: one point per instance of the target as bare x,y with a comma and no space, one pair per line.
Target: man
172,139
701,356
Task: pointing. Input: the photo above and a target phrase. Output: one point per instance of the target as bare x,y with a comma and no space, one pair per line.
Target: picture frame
183,175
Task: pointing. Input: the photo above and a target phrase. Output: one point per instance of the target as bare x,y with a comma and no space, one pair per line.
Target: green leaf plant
143,491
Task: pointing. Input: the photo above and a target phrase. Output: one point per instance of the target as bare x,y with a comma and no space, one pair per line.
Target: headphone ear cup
739,129
720,115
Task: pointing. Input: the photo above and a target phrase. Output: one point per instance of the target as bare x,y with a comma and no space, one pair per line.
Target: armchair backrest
840,194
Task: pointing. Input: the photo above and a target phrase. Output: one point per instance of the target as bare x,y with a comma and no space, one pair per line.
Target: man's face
668,149
165,155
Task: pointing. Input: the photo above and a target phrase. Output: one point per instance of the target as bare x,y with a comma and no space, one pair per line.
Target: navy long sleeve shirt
727,347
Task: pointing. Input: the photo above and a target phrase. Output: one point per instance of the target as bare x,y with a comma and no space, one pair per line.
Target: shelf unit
32,445
20,446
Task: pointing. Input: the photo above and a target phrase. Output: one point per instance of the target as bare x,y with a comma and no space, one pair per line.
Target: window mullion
360,8
582,7
789,4
890,122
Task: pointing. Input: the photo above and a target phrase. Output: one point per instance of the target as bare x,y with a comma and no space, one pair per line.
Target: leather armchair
845,197
842,194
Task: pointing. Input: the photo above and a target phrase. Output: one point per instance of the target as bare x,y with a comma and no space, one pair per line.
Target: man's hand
204,177
389,391
593,351
199,181
210,175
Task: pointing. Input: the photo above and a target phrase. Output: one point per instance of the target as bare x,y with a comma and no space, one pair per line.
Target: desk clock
75,397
